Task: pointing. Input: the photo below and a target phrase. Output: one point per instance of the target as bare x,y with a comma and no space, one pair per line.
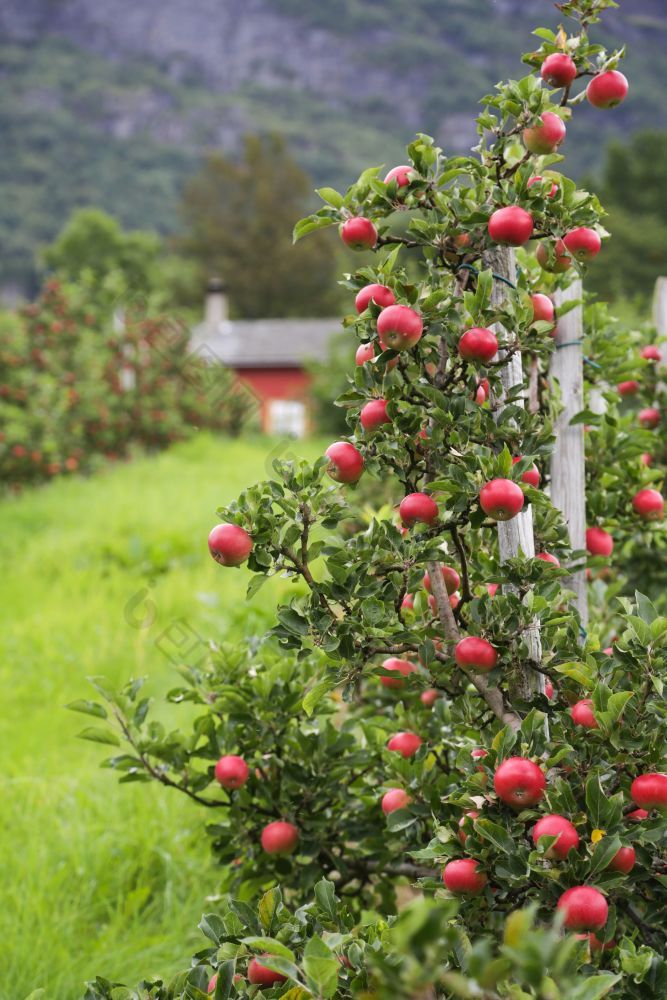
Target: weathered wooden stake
568,489
660,306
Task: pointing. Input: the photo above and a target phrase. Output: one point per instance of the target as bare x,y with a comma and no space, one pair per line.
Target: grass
100,878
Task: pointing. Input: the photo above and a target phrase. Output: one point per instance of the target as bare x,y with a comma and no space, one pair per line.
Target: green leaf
310,224
326,898
317,693
87,707
321,967
213,927
579,672
270,946
496,834
268,905
257,581
296,993
594,987
98,735
596,801
604,851
645,608
617,703
331,196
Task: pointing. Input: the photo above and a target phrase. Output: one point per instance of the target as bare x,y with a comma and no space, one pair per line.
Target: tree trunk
568,490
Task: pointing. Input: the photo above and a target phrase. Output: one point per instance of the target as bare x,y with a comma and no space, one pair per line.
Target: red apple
531,475
599,542
491,589
512,226
429,697
462,240
402,175
650,791
543,309
547,557
478,753
606,90
231,771
379,294
562,260
364,353
359,233
547,137
408,602
399,328
553,191
346,464
637,816
556,826
407,744
394,799
558,70
648,503
630,388
548,689
374,414
623,861
478,344
473,653
649,417
646,459
418,507
279,837
519,782
501,499
651,353
463,877
594,942
582,243
585,908
229,544
472,814
212,983
260,975
394,665
583,715
451,579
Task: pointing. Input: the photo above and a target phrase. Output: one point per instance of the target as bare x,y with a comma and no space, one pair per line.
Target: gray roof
265,343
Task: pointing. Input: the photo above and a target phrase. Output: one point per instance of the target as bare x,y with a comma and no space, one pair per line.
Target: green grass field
100,878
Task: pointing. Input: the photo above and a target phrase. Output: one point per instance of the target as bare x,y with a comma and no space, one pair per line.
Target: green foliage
238,216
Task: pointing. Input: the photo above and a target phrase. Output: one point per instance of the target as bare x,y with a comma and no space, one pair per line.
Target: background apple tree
430,771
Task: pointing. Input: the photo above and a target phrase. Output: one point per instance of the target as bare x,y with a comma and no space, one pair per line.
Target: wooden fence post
660,306
515,536
568,487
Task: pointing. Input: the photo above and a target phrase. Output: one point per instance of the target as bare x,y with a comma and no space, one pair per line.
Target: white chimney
216,309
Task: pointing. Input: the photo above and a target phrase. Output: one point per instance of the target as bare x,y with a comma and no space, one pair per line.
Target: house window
287,417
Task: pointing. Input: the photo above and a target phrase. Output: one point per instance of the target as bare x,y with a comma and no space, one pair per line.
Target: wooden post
660,306
515,536
568,489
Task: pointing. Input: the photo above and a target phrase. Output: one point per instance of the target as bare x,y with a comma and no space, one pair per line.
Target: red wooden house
269,355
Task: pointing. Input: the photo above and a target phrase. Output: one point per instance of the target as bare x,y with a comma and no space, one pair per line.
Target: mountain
113,103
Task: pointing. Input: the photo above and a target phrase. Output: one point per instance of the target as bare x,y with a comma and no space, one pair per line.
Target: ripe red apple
583,715
364,353
394,799
651,353
558,70
519,782
646,459
531,475
212,983
402,175
535,180
556,826
606,90
478,344
501,499
429,697
462,240
472,814
562,260
547,137
594,942
346,464
543,309
394,665
630,388
359,233
599,542
474,653
547,557
279,837
585,908
649,417
399,328
548,689
417,507
648,503
623,861
582,243
491,589
407,744
379,294
512,226
650,791
229,544
408,602
478,753
449,575
637,815
463,877
374,414
260,975
231,771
